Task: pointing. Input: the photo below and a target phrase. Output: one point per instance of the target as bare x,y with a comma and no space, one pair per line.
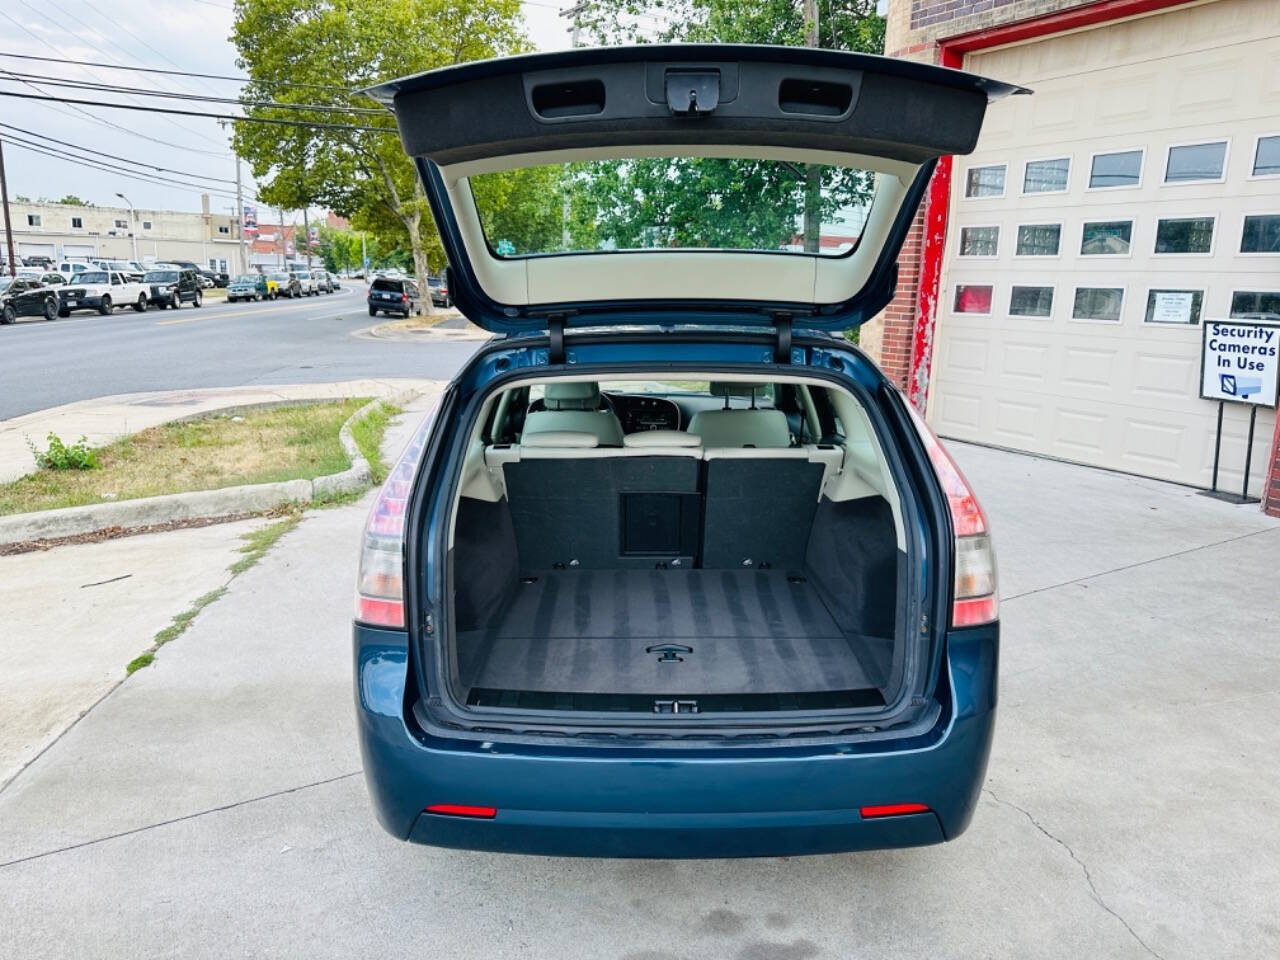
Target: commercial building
1053,294
72,232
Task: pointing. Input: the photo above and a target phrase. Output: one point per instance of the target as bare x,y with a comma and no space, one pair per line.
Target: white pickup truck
101,290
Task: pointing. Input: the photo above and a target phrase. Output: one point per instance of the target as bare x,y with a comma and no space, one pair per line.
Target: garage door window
1034,302
1261,234
984,182
1185,235
1046,176
1245,302
1039,240
1111,170
1196,163
979,241
1106,238
1174,306
1266,157
1098,303
973,298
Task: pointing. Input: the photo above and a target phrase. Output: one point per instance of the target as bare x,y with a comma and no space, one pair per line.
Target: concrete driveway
212,805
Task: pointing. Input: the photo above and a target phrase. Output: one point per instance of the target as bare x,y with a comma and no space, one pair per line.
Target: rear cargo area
618,582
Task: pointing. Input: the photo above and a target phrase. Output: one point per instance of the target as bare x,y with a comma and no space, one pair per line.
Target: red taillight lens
975,599
892,810
404,298
463,810
380,581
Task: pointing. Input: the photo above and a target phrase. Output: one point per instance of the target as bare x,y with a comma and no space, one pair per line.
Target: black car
439,292
25,297
394,296
170,287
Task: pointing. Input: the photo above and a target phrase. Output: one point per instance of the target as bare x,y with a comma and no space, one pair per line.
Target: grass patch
175,629
258,542
368,432
223,450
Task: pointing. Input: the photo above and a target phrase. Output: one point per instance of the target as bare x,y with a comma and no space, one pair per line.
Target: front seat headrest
580,395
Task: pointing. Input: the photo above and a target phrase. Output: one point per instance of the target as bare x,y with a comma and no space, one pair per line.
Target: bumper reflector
462,810
892,810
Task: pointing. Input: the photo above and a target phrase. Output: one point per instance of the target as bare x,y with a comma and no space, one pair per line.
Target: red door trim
951,51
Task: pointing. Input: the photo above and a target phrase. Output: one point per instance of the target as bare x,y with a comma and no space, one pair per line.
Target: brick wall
927,20
899,317
1271,489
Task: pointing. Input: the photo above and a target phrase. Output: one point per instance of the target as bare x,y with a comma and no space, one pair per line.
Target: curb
200,504
475,335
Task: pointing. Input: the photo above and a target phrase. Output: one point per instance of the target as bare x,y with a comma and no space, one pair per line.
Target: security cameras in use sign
1239,361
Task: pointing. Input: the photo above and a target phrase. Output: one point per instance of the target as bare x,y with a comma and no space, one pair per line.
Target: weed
60,456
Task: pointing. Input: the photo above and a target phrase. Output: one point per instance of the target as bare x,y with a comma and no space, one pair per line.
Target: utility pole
133,225
306,232
812,171
364,254
8,224
244,257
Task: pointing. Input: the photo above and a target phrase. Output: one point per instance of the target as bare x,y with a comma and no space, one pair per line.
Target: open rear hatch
837,148
751,555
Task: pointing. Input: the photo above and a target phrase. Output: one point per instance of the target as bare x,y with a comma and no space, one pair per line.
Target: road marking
288,307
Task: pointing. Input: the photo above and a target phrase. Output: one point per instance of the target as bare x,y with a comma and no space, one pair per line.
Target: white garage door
1096,227
79,251
26,249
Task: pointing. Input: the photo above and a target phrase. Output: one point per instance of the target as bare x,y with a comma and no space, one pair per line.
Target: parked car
102,290
128,268
51,278
321,279
334,282
439,292
673,570
171,286
69,268
25,297
39,260
306,283
390,296
250,286
287,284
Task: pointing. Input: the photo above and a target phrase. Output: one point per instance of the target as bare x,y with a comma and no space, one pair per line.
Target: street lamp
133,226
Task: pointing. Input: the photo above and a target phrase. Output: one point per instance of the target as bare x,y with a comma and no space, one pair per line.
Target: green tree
327,49
709,201
71,200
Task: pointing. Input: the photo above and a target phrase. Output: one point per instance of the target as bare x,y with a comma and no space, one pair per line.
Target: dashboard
641,412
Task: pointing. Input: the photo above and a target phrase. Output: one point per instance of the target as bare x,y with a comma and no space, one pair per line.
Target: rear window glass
384,284
668,203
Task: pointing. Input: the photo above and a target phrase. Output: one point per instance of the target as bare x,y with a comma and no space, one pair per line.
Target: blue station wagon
672,569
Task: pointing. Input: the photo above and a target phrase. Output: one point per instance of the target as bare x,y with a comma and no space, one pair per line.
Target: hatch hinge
555,331
782,352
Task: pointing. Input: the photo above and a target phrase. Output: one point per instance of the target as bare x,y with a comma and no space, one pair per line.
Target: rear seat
660,498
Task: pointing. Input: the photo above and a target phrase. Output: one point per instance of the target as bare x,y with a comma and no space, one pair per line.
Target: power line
79,22
179,73
238,118
112,156
99,87
112,169
85,113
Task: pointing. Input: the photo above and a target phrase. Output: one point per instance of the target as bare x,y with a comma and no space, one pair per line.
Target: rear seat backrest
574,407
760,428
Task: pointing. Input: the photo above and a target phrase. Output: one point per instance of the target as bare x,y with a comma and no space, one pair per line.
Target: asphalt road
312,340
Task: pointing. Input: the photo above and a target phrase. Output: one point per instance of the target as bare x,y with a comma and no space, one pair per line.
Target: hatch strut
555,329
782,352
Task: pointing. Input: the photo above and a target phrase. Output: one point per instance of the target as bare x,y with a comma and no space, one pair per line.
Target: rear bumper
710,801
80,303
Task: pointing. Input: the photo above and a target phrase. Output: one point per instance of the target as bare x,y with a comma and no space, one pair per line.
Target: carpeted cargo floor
749,631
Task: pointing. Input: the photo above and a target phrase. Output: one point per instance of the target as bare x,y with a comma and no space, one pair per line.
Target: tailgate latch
691,93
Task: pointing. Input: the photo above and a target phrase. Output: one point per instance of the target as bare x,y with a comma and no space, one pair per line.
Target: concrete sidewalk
212,805
107,418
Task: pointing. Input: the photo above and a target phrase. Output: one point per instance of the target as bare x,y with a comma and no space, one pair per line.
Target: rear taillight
404,298
975,599
380,582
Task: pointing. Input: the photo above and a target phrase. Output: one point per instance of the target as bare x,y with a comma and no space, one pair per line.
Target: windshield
280,276
5,282
94,276
246,278
667,203
161,276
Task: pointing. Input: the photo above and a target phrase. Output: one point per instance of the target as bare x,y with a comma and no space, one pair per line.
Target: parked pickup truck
101,290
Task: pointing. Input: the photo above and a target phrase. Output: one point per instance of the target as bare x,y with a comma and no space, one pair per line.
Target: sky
123,32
